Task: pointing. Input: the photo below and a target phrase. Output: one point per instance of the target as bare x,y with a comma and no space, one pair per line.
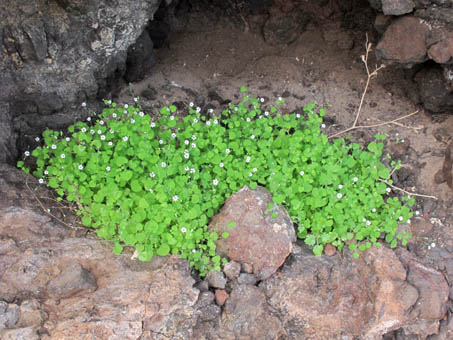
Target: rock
247,307
27,333
31,314
203,286
247,279
57,54
216,279
232,270
9,315
366,298
206,308
436,97
404,42
381,23
257,238
73,280
329,250
397,7
221,296
246,268
442,51
140,58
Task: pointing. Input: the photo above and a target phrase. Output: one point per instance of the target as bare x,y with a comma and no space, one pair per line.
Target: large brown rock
325,297
257,238
404,42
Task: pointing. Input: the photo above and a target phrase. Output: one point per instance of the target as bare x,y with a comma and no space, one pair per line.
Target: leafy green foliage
154,185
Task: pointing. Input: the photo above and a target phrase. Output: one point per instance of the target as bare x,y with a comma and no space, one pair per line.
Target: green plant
155,184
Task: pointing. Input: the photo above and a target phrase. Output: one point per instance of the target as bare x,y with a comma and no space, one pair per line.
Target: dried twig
407,192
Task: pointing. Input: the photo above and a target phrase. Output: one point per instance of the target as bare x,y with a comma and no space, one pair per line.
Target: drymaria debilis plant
154,184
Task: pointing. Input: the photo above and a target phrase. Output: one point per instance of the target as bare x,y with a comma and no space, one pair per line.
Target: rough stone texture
216,279
221,296
284,28
206,307
54,55
153,300
404,42
247,279
397,7
434,93
232,270
247,307
323,297
73,280
257,238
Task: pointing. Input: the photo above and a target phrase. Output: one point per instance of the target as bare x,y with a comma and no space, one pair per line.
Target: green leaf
225,235
117,249
163,250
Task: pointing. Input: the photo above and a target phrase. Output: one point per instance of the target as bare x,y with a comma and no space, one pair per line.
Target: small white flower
111,131
46,172
126,106
215,182
194,137
252,136
125,138
400,218
408,221
41,181
194,251
235,109
323,125
135,99
102,137
247,159
297,115
109,102
175,199
67,139
84,129
208,123
153,124
132,121
216,122
227,151
186,155
192,171
262,100
301,173
363,219
152,174
89,119
211,110
340,186
27,153
183,230
110,143
195,120
373,210
402,140
255,169
355,179
80,167
172,117
53,146
107,168
221,165
198,109
186,168
99,132
161,141
92,131
173,135
63,155
339,195
433,245
186,142
250,174
193,145
191,104
279,98
417,212
163,164
141,113
388,190
368,222
37,139
101,122
266,113
84,104
248,119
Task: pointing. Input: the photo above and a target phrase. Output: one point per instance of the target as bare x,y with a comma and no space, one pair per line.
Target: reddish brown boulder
404,42
221,296
257,238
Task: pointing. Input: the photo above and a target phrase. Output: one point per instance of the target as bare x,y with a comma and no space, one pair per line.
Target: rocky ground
60,282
